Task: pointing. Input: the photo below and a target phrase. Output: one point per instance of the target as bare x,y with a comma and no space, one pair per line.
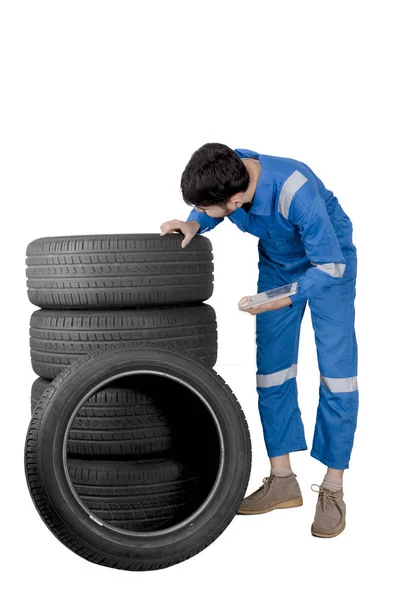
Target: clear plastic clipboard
271,295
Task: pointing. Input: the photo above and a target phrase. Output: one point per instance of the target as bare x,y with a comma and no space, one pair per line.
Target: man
304,236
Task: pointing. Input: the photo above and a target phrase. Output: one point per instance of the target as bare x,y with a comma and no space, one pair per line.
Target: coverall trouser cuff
329,463
286,450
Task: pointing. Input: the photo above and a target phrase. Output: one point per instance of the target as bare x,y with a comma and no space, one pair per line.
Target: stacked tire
134,448
105,291
97,291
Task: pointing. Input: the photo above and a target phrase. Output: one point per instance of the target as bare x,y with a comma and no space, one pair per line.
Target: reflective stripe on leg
276,378
340,384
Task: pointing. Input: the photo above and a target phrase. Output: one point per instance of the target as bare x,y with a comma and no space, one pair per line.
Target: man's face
220,210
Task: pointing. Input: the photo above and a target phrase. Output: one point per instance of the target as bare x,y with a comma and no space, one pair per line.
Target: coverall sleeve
308,212
206,223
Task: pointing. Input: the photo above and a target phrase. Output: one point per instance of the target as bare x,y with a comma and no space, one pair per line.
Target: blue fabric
315,230
277,339
206,223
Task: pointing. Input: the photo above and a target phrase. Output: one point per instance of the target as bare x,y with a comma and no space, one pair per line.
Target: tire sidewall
66,397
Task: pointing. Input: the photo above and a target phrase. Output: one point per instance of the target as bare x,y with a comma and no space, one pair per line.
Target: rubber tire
60,508
116,421
118,271
38,387
58,338
138,495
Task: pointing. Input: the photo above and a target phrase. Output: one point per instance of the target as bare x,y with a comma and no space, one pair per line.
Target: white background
102,104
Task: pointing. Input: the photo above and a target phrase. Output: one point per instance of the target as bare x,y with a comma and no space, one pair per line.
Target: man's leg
277,337
333,318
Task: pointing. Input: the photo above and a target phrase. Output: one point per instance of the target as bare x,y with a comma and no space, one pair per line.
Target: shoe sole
287,504
325,535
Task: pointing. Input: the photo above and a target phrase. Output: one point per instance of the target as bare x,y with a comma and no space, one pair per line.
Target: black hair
213,174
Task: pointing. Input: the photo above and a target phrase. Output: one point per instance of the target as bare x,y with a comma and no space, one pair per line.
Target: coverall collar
262,198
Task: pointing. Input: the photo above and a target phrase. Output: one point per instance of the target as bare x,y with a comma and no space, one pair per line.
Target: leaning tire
118,271
58,338
71,521
116,421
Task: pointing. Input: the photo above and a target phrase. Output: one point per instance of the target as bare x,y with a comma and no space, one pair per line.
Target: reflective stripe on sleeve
276,378
340,384
334,269
289,188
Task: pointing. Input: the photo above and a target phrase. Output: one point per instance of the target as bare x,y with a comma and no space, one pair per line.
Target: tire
136,495
118,271
226,457
116,421
38,387
57,338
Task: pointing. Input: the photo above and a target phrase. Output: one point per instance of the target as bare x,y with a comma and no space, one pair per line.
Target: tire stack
97,291
110,291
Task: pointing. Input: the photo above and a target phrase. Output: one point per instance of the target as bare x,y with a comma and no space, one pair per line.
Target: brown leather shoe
276,492
330,514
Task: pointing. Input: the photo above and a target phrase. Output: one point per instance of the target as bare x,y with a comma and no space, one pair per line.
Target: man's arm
306,209
206,223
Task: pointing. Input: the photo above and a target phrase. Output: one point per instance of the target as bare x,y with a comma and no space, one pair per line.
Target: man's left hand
255,310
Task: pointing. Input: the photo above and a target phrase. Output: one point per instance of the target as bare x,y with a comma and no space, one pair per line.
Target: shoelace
324,496
267,481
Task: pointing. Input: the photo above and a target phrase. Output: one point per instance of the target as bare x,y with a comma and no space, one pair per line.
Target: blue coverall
304,236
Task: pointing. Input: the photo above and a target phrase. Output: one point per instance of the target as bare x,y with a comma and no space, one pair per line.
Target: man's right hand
188,228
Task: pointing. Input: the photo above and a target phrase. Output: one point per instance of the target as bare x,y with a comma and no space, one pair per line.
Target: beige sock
332,483
280,472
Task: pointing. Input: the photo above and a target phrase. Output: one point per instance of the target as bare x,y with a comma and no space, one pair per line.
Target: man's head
215,180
